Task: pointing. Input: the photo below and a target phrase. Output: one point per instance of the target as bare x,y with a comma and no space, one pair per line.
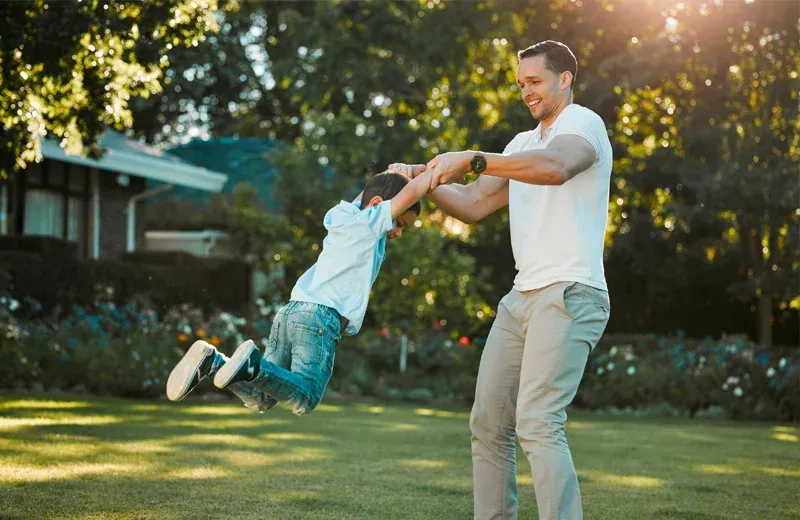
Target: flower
738,392
770,372
214,341
782,363
182,337
610,366
613,351
200,333
463,341
13,305
631,370
600,371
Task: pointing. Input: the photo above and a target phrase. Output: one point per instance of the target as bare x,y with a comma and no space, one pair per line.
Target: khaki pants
529,372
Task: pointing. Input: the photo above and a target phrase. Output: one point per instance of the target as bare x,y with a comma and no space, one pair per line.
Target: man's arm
466,203
565,156
474,201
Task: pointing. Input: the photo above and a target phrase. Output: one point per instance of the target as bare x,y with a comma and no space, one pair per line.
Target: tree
68,69
718,143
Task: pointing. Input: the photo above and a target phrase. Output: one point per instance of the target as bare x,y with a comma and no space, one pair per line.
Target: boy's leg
312,334
278,352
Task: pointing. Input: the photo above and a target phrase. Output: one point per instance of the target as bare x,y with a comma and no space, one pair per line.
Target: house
93,201
242,160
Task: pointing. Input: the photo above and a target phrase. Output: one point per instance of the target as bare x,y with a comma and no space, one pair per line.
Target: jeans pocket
307,343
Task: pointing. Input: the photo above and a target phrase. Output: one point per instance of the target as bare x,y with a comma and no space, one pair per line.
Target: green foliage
685,376
68,69
711,156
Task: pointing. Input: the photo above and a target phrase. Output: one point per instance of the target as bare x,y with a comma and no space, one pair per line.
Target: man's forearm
455,200
531,167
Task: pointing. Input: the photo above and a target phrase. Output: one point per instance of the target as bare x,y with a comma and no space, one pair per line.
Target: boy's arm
410,194
468,203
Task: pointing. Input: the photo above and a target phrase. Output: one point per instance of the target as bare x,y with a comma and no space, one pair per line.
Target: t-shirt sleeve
379,218
586,124
512,146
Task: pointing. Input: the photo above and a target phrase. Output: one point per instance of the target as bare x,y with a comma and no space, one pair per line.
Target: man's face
543,91
404,221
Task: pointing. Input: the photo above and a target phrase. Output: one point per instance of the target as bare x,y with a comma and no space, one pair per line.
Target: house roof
242,159
131,157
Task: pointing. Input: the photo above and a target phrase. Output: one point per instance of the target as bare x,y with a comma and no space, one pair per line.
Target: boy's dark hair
386,185
557,56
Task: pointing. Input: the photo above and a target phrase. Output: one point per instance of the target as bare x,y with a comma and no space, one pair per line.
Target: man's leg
565,324
492,419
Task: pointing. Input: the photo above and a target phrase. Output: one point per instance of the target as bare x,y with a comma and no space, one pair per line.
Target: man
555,180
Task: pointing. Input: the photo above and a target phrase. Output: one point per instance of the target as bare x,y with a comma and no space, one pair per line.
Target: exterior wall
200,243
114,215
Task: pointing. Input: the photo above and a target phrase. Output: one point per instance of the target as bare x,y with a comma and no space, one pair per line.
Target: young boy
329,300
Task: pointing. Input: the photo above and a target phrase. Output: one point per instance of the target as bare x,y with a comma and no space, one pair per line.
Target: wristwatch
478,163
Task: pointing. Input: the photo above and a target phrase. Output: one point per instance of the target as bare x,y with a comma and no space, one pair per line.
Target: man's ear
566,80
374,201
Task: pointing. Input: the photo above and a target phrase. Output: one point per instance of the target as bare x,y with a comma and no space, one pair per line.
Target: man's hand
449,167
407,170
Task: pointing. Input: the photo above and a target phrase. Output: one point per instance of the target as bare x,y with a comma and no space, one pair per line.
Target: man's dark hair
386,185
558,57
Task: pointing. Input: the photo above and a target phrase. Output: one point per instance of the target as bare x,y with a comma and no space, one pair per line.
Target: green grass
105,458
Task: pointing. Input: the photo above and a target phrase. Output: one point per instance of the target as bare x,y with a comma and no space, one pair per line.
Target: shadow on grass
108,458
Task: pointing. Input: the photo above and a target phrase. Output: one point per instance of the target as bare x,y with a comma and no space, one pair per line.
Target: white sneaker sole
234,364
182,375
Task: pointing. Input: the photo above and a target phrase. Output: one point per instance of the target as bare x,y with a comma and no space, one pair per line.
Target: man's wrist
477,163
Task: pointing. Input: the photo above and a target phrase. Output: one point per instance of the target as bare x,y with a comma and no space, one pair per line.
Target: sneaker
243,365
191,369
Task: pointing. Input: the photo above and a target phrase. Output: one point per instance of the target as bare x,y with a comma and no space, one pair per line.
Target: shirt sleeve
379,218
586,124
512,146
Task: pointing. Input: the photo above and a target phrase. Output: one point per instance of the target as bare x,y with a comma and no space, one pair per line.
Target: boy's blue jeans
298,360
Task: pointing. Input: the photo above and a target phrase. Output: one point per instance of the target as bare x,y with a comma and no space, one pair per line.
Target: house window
75,218
56,201
4,210
44,213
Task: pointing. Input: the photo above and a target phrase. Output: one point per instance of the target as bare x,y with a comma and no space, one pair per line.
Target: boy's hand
407,170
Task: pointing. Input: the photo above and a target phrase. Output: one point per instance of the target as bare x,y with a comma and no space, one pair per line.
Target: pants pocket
307,343
567,297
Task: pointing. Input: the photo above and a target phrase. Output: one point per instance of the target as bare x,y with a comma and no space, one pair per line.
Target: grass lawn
106,458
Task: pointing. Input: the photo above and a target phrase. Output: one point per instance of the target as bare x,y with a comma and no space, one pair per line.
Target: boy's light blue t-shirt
350,260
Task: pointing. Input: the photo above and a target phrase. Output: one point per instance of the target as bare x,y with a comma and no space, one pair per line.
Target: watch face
478,163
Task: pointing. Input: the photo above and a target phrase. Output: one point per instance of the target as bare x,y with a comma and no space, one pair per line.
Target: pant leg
565,324
277,352
492,418
310,337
